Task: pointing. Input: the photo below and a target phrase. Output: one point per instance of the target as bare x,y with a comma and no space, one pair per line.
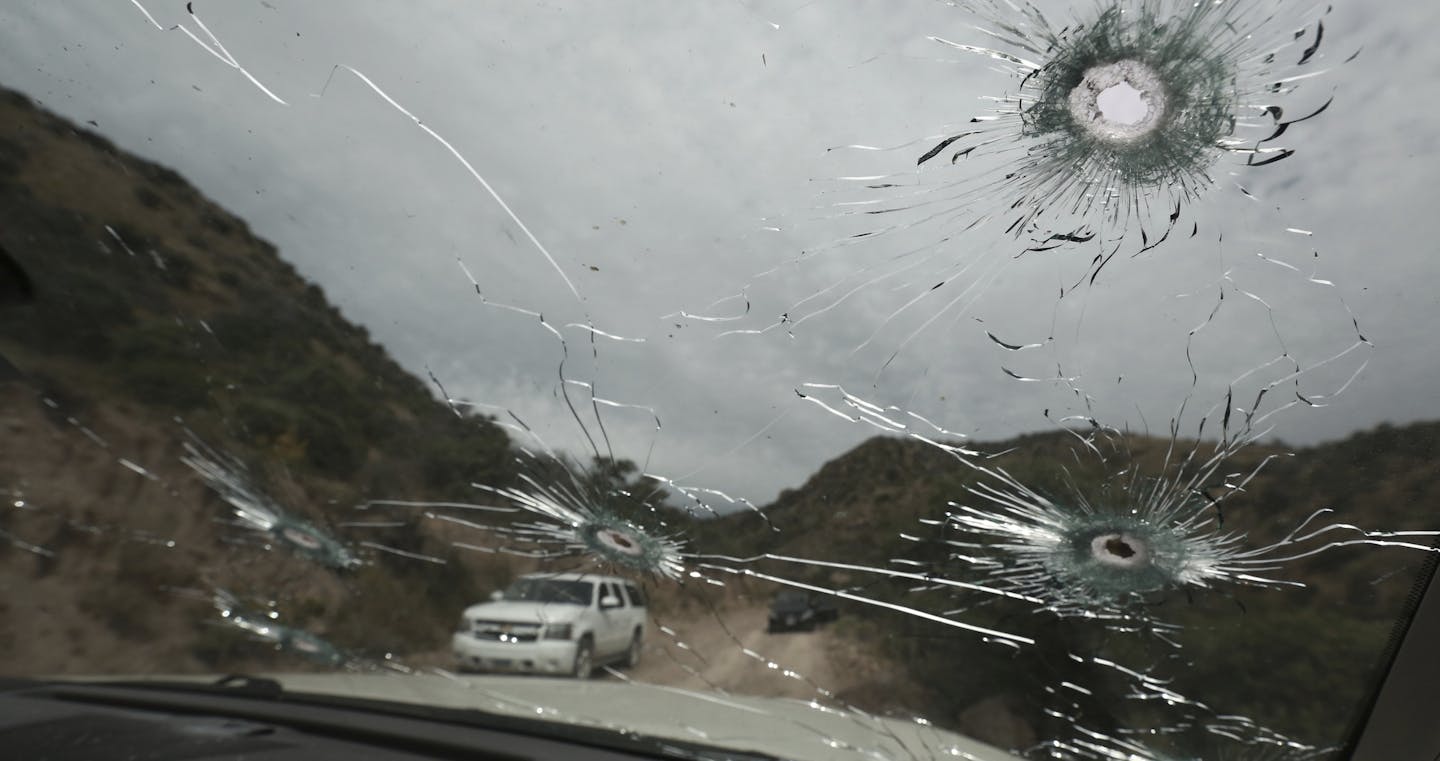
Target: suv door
613,635
590,621
637,608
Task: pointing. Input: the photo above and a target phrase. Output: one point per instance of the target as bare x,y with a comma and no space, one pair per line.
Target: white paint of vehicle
610,629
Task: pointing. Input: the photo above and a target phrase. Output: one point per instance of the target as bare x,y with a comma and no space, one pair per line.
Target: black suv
796,609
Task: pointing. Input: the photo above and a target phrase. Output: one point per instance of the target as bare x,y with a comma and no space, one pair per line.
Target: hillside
154,312
1314,650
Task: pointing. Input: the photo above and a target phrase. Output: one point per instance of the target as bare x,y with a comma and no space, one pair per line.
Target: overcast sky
652,147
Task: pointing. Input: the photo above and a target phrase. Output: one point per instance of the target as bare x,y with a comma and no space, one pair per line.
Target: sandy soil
731,651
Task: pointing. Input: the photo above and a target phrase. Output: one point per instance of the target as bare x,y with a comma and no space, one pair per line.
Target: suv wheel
632,656
584,659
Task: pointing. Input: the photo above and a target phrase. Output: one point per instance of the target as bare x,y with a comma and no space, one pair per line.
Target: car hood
525,611
784,728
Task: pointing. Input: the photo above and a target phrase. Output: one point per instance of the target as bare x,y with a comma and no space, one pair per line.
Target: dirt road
730,650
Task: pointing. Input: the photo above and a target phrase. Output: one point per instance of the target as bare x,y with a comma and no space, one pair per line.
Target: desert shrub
221,648
332,446
13,156
178,385
149,198
120,609
263,419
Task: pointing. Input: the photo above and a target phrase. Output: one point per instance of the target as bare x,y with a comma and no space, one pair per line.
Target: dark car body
794,609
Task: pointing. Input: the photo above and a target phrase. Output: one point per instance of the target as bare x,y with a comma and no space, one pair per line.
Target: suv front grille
505,631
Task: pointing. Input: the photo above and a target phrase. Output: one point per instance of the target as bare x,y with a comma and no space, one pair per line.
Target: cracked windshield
818,380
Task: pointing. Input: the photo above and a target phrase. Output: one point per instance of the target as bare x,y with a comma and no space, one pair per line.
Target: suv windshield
550,591
969,379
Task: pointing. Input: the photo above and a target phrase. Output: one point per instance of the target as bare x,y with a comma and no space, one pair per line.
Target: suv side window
637,598
615,590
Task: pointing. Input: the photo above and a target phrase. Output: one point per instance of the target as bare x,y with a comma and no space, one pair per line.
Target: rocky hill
152,317
1313,651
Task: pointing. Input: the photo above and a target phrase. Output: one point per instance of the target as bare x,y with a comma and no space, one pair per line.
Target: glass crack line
1104,557
257,512
266,628
987,633
1119,123
1097,746
214,47
464,162
698,497
580,522
1143,97
590,513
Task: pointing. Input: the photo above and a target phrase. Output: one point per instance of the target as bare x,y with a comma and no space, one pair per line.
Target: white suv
553,624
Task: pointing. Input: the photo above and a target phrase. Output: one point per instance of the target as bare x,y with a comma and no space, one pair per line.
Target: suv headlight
558,631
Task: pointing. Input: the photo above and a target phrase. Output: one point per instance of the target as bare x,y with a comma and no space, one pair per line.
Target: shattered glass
975,379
